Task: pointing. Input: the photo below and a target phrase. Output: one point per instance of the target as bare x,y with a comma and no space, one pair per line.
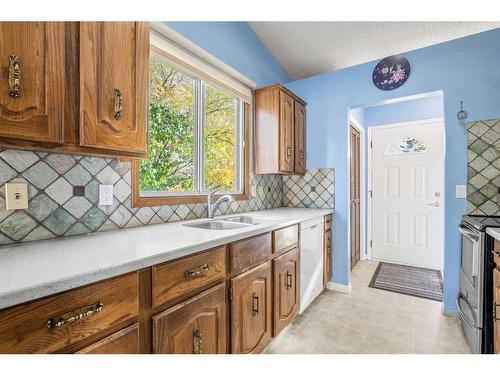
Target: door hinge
230,294
371,243
371,144
371,193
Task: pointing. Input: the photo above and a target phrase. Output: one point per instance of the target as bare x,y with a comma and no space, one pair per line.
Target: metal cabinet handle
435,204
73,316
288,151
15,76
197,271
197,341
462,314
255,304
288,280
118,104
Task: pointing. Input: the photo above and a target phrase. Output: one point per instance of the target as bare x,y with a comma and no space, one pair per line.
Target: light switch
461,191
105,195
16,195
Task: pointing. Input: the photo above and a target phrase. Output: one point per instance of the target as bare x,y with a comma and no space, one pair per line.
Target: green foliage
170,165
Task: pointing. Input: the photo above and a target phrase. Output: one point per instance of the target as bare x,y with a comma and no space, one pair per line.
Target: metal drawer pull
197,272
289,151
197,341
495,305
288,280
74,315
15,76
255,304
118,104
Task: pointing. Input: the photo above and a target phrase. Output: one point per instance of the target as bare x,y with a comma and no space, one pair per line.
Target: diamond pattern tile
483,171
54,211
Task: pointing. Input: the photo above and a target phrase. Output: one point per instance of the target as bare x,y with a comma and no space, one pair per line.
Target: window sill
138,201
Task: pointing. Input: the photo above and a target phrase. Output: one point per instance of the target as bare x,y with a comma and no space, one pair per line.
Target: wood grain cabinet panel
181,279
125,341
26,328
249,252
251,310
285,238
327,257
279,131
32,80
196,326
114,76
300,138
286,289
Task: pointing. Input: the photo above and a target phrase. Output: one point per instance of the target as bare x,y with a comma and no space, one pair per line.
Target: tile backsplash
55,211
483,167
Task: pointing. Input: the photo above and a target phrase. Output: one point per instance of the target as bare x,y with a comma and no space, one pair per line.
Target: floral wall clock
391,72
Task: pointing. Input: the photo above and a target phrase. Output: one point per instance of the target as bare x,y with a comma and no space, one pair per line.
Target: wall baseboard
342,288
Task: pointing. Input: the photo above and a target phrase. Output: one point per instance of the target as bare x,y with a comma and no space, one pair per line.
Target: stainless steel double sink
235,222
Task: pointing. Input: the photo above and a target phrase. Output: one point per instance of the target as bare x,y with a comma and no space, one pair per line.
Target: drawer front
125,341
249,253
328,222
285,238
32,327
183,278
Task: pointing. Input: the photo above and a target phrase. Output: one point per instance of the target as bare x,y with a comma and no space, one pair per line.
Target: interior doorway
355,195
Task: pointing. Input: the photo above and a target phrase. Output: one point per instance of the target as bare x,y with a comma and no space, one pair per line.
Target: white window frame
199,128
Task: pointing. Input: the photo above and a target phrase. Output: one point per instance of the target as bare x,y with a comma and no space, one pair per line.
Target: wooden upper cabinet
114,73
286,162
300,138
32,80
279,131
251,310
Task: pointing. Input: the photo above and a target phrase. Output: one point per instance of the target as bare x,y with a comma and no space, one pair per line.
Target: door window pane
170,166
221,141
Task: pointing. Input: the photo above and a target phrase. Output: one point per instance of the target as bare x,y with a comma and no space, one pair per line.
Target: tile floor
371,321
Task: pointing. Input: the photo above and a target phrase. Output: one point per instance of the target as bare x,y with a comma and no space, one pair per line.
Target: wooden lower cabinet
496,309
286,289
125,341
196,326
327,257
251,310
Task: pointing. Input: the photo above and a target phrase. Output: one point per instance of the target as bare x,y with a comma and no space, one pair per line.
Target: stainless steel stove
474,280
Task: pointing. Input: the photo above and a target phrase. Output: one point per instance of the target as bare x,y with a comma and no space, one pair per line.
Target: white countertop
38,269
494,232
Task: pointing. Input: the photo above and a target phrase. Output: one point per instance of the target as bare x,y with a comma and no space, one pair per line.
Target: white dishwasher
311,261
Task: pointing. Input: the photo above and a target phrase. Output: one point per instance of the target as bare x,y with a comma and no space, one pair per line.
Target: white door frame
362,217
370,163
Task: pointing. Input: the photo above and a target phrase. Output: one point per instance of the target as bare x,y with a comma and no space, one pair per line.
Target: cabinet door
32,80
114,73
251,306
300,138
496,310
196,326
327,259
287,115
286,289
125,341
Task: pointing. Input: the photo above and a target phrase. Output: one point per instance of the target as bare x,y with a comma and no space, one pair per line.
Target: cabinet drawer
328,222
33,328
183,278
285,238
125,341
249,252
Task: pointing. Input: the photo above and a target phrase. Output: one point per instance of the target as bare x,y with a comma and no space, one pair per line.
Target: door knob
435,204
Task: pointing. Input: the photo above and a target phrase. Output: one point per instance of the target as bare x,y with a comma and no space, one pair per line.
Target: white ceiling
309,48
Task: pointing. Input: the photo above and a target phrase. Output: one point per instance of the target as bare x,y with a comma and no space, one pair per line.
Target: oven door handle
462,314
468,233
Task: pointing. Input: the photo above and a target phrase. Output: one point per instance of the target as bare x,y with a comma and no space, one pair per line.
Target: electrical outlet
105,195
254,191
16,195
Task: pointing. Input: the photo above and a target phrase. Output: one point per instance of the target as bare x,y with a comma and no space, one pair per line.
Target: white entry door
407,205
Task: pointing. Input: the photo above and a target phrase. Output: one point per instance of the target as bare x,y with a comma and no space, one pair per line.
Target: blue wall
464,69
236,44
408,110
